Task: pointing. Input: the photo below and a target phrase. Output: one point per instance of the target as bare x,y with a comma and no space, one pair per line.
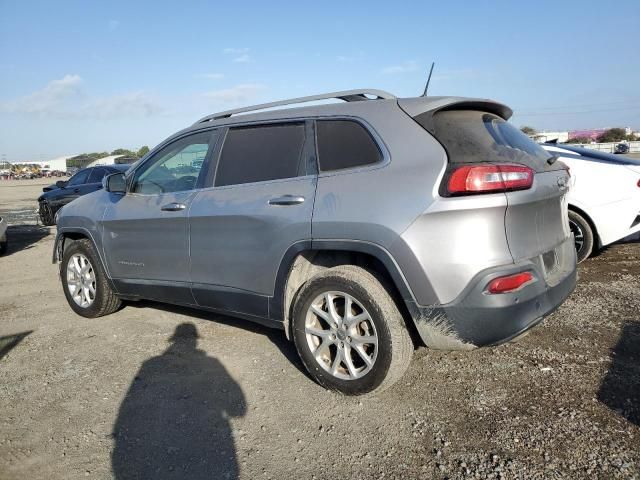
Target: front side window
261,153
345,144
79,178
176,167
96,175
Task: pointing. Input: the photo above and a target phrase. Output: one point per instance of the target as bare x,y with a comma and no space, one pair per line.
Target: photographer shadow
620,389
175,419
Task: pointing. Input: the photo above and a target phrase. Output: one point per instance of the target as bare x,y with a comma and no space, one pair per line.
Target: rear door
145,235
260,204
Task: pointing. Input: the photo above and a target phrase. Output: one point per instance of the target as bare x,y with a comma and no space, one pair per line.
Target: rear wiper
552,160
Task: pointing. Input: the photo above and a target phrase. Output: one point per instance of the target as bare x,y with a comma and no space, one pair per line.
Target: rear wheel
349,332
85,283
3,244
583,235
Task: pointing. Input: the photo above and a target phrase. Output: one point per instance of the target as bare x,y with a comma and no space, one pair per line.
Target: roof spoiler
432,105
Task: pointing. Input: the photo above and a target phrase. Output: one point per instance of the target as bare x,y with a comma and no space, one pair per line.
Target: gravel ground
167,392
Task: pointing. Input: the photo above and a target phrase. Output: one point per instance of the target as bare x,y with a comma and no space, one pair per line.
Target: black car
85,181
622,148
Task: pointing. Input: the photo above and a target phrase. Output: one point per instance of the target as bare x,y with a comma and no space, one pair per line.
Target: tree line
83,159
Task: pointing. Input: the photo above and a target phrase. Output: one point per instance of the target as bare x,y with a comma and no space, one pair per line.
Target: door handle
77,190
173,207
287,200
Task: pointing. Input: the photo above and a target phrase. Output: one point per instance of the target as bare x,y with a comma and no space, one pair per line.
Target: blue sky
80,76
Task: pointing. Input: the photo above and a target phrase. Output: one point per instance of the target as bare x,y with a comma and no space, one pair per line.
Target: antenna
428,79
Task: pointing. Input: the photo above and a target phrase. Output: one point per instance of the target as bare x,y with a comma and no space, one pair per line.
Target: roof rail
346,95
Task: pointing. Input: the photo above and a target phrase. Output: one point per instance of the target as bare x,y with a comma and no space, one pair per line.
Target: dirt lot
137,395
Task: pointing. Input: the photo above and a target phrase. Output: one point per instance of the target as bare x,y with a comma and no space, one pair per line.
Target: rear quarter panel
377,203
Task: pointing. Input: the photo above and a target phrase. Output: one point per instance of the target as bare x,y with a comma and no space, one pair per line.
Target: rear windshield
470,136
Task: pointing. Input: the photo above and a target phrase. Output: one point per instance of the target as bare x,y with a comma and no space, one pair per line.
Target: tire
389,353
583,234
3,245
103,300
47,214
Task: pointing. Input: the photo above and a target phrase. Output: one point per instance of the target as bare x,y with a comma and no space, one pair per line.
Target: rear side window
261,153
470,136
345,144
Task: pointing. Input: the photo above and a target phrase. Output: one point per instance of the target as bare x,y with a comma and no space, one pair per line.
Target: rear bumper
477,319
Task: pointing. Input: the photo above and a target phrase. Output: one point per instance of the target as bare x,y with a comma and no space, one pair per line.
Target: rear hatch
536,217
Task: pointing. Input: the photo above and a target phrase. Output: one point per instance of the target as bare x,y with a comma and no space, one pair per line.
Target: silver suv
348,225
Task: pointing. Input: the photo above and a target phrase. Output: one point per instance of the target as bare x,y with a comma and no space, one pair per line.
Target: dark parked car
53,186
85,181
622,148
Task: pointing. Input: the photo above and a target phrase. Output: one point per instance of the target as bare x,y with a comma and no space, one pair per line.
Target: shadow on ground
174,420
620,389
276,336
9,342
23,237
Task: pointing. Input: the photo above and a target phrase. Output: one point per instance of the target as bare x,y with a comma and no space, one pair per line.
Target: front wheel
349,332
582,234
47,214
84,281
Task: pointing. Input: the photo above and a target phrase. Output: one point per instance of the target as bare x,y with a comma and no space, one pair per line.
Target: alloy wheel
578,235
341,335
81,280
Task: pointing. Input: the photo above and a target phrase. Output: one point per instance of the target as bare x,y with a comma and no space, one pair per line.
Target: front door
145,232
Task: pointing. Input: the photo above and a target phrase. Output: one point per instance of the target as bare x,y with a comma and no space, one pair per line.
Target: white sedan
604,199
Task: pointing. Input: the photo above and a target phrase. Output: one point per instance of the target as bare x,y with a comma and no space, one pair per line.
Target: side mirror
61,184
115,183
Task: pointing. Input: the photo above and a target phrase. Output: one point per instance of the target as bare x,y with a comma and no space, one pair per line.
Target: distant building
112,160
108,160
58,164
544,136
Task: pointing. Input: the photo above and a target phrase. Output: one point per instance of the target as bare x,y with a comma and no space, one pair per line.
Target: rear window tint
471,136
345,144
258,154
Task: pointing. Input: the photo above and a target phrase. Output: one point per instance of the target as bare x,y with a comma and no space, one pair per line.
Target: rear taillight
509,283
488,178
638,183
